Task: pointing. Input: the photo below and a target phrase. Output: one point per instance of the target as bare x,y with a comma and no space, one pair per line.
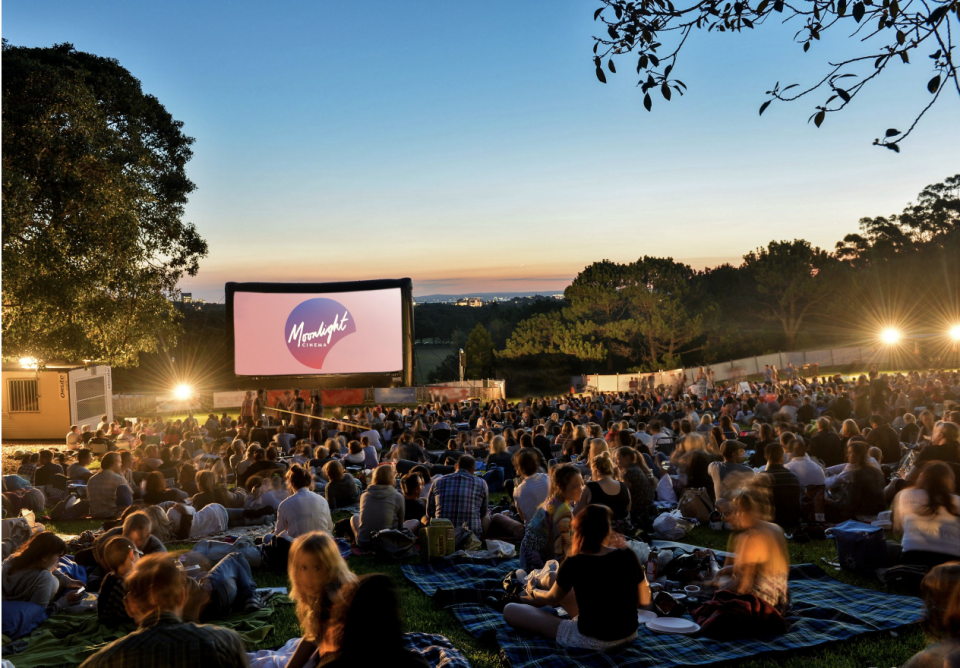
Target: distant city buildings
469,301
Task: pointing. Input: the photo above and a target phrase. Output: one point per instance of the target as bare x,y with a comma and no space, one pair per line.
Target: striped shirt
166,641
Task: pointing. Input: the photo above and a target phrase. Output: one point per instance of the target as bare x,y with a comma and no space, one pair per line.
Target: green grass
881,650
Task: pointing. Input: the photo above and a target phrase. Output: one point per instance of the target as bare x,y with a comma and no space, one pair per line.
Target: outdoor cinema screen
296,329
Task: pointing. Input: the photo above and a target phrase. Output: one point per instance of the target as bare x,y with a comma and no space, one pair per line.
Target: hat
729,447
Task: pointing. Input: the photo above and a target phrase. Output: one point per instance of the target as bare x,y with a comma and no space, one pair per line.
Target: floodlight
955,332
29,362
183,392
890,336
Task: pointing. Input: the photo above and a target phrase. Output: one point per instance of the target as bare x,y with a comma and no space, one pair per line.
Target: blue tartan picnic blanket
823,610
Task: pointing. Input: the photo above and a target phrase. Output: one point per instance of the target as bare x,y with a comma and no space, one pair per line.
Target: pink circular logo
314,327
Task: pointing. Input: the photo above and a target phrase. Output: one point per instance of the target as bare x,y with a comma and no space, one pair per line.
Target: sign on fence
228,399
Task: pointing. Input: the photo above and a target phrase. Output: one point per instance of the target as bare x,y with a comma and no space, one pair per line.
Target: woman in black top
500,457
604,616
604,489
157,490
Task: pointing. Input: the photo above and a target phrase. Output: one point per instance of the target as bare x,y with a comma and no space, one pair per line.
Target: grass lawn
881,650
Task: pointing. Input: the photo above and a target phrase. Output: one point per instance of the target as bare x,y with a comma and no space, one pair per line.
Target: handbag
696,504
687,568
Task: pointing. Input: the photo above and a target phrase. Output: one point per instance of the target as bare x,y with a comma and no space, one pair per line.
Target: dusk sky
470,146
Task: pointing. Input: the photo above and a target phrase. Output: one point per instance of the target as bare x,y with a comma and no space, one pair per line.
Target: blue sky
470,147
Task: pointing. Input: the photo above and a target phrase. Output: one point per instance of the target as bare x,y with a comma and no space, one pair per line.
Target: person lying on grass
604,615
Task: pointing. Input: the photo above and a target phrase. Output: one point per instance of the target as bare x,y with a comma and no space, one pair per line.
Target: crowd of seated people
576,471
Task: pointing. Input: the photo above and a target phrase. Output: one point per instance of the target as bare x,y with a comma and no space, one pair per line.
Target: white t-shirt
939,533
807,470
531,493
211,519
73,440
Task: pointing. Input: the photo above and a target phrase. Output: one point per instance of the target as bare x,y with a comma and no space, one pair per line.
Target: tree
94,188
480,353
888,31
792,281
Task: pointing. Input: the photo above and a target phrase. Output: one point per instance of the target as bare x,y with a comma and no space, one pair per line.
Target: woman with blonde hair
605,489
500,457
317,572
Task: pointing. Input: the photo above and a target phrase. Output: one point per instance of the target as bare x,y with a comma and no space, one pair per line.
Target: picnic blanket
824,610
66,638
436,650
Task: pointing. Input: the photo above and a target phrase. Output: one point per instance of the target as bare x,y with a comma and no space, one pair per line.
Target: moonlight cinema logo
314,327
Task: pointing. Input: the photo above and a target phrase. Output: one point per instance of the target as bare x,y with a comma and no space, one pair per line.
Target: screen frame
406,305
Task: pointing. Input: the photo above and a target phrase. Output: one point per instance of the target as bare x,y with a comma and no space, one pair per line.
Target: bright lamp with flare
890,336
183,392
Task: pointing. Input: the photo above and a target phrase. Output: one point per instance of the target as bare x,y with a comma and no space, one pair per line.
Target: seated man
461,497
107,489
74,440
730,473
79,469
785,488
100,444
28,467
49,474
156,593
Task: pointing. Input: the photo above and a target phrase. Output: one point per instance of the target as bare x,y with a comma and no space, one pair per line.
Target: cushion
21,618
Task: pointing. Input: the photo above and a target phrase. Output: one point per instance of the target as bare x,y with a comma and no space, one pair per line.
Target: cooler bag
860,547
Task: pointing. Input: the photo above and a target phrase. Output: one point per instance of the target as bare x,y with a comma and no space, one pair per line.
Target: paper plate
644,616
673,625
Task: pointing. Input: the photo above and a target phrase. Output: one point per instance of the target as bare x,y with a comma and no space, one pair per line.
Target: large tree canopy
888,32
94,188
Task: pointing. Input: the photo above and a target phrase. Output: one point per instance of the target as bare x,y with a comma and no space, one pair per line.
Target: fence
734,370
129,405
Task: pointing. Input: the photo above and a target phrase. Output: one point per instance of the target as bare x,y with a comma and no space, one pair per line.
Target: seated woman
604,616
157,491
928,518
381,507
188,480
342,490
760,562
604,489
30,574
317,574
547,533
940,590
214,491
369,631
640,483
500,457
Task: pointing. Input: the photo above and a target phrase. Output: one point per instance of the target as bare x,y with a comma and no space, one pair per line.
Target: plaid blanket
430,578
436,650
823,611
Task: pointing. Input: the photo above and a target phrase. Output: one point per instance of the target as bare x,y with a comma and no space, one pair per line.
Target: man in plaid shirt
155,598
461,497
107,490
28,469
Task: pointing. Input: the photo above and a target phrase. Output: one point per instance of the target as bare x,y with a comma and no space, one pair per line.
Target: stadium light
890,336
183,392
955,333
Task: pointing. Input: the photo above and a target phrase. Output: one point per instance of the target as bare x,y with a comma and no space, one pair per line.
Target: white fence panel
848,355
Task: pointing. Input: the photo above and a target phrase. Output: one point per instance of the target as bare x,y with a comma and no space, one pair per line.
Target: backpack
71,508
696,504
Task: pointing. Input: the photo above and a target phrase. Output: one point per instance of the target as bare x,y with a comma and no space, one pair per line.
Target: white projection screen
298,329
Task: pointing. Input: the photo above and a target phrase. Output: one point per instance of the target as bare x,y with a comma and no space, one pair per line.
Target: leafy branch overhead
888,30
